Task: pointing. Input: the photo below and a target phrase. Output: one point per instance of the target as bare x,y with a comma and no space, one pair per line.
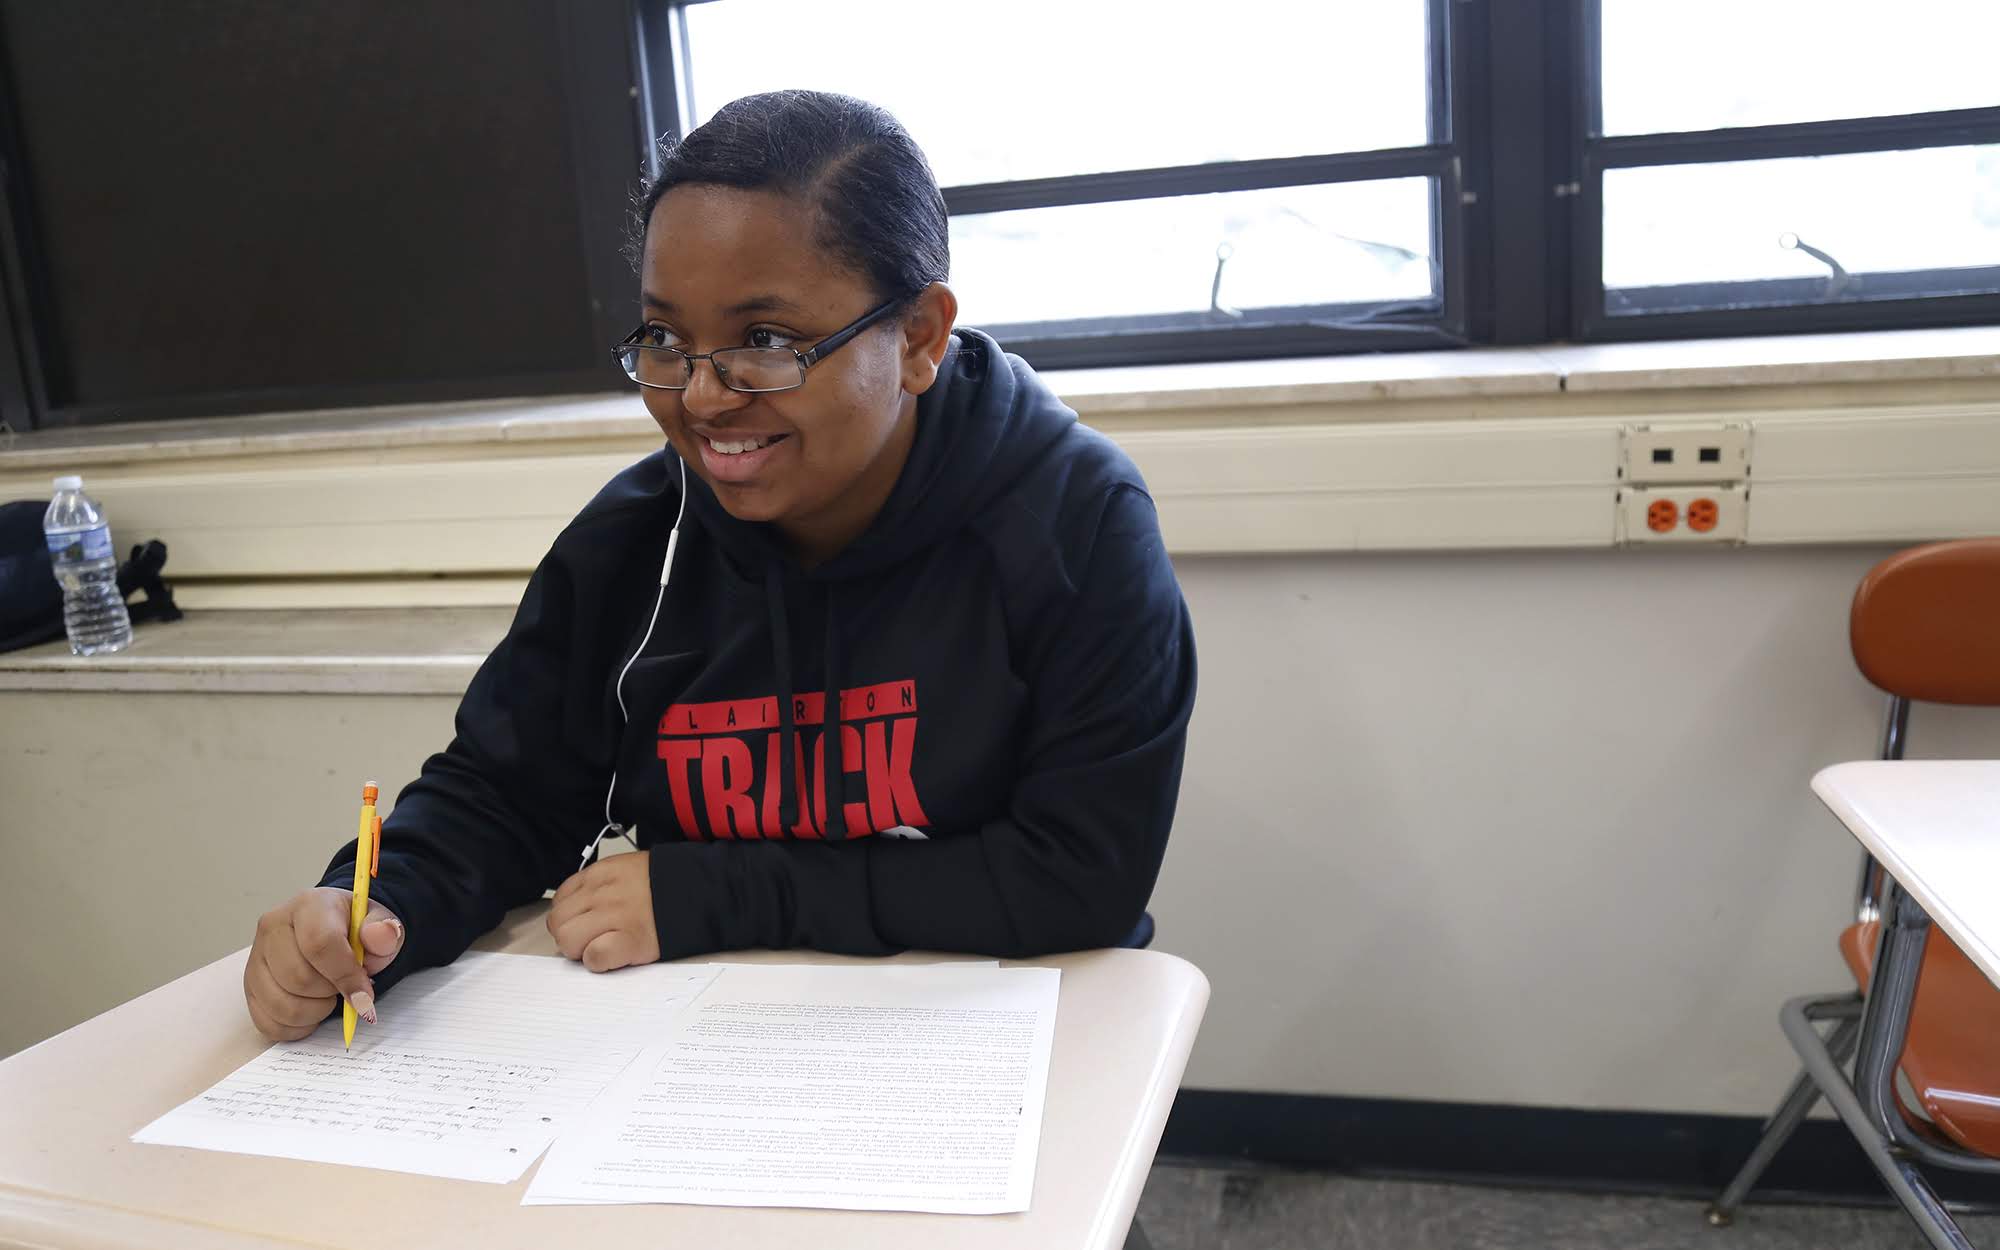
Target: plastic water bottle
79,538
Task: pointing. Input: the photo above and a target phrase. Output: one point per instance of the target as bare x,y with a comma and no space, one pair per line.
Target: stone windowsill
426,651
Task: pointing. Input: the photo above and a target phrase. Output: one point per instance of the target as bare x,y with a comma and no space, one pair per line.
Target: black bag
31,606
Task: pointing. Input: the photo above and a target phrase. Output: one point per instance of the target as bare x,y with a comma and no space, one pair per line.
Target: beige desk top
70,1177
1935,825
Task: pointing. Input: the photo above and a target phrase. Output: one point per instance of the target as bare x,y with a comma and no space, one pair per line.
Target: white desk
1935,826
69,1176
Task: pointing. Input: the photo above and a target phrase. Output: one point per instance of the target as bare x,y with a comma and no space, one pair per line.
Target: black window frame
1751,307
1451,163
1518,240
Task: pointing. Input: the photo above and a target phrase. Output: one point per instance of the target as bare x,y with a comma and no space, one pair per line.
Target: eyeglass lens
741,368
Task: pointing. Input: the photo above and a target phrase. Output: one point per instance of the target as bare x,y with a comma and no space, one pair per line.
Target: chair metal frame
1873,1027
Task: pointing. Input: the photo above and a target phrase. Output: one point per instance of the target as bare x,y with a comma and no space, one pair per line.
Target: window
421,208
1185,181
1788,164
1162,182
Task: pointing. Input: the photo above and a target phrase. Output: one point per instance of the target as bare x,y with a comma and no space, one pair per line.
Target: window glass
1672,65
1288,246
1039,88
1932,209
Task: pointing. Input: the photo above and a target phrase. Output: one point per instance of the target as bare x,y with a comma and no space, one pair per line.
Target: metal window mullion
1921,311
1519,143
658,48
595,53
1460,194
1575,201
22,398
1440,94
25,298
1742,294
17,408
650,89
1587,29
680,47
1431,161
1844,136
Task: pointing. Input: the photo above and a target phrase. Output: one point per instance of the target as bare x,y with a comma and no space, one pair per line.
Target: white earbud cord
624,717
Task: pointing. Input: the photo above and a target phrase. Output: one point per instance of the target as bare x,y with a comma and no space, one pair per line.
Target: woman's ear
927,335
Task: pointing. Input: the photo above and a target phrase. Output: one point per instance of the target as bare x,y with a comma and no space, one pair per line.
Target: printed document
471,1071
886,1088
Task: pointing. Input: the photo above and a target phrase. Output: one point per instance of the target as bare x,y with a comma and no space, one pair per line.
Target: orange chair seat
1952,1053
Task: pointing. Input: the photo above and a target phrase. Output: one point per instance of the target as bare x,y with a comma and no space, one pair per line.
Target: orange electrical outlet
1705,514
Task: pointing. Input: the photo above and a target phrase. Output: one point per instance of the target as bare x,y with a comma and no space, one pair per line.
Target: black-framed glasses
753,369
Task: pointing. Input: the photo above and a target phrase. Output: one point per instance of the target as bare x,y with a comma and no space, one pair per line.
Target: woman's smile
739,457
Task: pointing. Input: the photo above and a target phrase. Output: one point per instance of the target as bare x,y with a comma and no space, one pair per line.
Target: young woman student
881,651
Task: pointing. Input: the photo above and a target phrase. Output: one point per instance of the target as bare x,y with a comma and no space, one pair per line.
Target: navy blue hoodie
1015,669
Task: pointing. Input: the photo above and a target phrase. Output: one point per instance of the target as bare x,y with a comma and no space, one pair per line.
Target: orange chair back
1926,623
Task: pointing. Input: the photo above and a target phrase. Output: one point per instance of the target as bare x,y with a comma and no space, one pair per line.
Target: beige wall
1524,828
1514,827
142,834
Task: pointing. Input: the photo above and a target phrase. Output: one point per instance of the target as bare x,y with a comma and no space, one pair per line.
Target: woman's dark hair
880,211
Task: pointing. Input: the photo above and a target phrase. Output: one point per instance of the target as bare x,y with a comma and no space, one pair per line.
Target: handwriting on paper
420,1095
470,1072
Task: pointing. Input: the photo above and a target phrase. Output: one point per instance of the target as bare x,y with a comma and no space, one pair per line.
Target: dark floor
1188,1207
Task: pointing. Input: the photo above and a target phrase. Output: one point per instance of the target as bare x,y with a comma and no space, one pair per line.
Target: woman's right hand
301,964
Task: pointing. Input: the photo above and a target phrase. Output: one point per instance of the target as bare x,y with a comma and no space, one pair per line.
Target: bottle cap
70,482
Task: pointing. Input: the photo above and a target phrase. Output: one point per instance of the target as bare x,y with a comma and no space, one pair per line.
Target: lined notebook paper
472,1070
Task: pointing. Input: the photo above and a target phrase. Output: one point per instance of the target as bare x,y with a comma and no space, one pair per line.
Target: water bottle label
95,544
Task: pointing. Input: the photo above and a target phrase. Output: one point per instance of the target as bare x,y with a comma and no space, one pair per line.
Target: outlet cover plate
1656,454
